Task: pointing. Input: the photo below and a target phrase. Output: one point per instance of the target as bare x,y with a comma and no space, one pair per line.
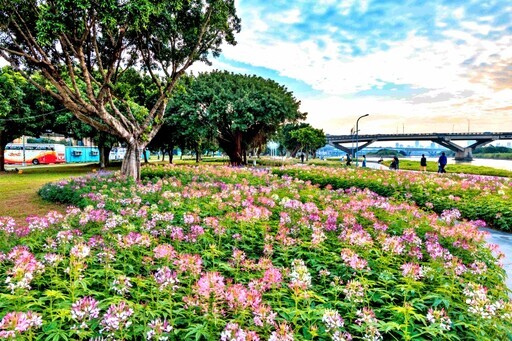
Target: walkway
504,240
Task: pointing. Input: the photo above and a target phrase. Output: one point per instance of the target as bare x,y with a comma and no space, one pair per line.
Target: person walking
423,163
442,161
364,161
349,160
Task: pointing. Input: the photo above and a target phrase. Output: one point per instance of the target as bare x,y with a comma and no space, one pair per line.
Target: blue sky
414,66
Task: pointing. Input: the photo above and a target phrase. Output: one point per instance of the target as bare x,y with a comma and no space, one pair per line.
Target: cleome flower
158,330
116,318
439,317
85,309
14,324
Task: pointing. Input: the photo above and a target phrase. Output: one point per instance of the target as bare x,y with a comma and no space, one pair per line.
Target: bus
35,153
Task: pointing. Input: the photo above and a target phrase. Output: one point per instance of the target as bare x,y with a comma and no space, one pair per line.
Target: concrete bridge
443,139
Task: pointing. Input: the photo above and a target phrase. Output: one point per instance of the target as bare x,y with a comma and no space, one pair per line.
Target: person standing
397,162
423,163
364,161
349,160
442,161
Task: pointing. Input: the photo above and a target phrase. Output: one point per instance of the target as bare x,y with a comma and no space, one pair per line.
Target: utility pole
357,135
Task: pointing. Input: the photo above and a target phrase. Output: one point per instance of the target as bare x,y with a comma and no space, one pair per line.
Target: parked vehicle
35,153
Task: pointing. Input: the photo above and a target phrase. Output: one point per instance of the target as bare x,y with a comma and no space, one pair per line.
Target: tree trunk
2,158
131,162
170,154
106,155
2,151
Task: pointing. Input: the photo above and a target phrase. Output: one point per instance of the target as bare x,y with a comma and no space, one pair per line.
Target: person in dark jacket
442,161
395,164
349,160
423,163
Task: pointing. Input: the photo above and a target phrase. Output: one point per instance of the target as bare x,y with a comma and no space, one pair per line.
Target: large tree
310,139
89,44
239,108
287,139
23,109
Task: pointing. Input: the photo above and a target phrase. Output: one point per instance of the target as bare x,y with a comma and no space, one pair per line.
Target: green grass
501,156
454,168
18,192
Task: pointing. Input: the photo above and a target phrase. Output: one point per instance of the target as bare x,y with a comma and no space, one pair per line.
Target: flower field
476,197
217,253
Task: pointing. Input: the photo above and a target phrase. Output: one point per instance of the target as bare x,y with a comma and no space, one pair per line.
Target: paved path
504,240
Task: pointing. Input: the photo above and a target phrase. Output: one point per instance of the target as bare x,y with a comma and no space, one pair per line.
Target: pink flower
354,291
412,270
440,317
121,285
80,251
283,333
164,277
159,330
117,317
13,324
351,259
211,283
272,278
264,316
84,309
164,251
189,263
233,332
332,320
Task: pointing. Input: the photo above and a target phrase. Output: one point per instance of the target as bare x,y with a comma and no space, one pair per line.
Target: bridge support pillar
464,155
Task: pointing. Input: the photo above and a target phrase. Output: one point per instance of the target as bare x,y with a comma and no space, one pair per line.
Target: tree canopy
238,109
84,47
23,109
309,139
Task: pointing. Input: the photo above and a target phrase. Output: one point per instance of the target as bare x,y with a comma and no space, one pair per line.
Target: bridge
443,139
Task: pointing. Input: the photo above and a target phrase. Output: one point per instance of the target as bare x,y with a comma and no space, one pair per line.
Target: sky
413,66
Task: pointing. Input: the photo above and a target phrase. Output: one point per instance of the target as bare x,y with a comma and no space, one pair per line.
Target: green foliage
23,109
309,138
492,150
91,52
235,109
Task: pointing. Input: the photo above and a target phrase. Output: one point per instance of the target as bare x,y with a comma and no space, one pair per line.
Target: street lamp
357,135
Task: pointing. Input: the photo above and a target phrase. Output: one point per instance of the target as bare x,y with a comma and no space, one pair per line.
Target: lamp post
357,135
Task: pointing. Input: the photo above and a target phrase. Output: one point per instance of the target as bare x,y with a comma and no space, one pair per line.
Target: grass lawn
18,192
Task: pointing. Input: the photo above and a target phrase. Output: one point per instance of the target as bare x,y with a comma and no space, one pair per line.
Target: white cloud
288,17
455,70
